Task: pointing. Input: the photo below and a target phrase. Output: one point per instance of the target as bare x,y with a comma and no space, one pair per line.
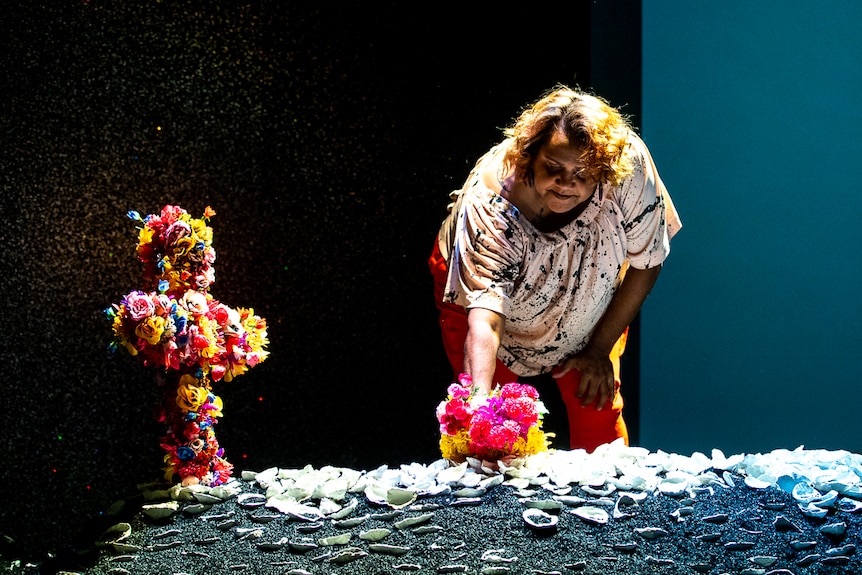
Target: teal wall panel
753,112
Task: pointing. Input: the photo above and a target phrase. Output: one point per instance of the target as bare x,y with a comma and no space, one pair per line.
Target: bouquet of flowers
176,326
504,424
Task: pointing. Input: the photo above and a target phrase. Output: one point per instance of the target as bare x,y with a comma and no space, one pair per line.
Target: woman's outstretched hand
597,377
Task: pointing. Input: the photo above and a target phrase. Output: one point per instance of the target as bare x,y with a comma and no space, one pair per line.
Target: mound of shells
618,510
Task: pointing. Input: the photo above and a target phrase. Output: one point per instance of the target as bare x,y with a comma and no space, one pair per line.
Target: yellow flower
183,246
145,236
234,370
189,395
169,469
537,441
202,231
207,329
217,403
455,447
151,329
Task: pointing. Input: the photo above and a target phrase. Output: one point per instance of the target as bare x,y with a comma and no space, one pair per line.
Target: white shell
398,498
250,500
492,481
408,522
160,510
346,510
196,508
303,545
810,510
538,519
121,548
272,545
828,500
590,514
114,534
543,504
834,529
348,555
452,474
495,556
336,539
350,523
328,506
376,493
804,492
206,498
755,483
374,534
599,492
624,500
335,489
673,486
469,492
763,560
570,500
848,505
651,533
471,478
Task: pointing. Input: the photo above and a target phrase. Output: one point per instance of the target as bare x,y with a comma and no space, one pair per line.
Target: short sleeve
650,219
484,257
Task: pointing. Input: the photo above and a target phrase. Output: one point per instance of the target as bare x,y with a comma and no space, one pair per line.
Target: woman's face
561,182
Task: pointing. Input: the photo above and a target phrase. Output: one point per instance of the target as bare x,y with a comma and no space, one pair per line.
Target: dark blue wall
751,339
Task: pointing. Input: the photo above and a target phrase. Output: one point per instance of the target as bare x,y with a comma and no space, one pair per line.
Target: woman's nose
566,180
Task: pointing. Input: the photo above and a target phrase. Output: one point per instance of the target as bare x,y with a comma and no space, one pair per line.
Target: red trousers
589,427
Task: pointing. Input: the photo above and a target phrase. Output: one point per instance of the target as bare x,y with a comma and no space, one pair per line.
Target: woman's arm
484,328
597,374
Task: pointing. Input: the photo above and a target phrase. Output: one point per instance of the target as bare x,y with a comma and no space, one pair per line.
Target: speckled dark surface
723,531
325,135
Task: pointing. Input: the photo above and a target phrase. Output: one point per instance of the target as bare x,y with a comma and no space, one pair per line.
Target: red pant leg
588,426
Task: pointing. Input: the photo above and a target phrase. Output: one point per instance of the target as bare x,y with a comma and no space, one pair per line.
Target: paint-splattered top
552,287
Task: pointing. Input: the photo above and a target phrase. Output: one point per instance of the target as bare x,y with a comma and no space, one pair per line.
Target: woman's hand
597,377
597,372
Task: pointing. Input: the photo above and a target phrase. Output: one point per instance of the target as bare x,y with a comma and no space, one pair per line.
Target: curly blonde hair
588,122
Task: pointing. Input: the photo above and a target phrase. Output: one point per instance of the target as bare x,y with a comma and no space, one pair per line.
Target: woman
547,254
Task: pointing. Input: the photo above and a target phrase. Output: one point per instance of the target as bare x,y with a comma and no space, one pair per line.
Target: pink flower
170,214
519,390
457,410
140,305
457,391
521,409
162,303
220,313
453,415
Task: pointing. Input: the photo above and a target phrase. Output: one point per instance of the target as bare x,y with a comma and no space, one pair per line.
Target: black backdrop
326,136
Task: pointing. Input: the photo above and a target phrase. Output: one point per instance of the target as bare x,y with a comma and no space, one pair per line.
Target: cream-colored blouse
552,288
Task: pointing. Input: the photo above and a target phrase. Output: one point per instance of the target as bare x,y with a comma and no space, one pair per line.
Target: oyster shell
591,514
374,534
389,549
539,520
114,534
160,510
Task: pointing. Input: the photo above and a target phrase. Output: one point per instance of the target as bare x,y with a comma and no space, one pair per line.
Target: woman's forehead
559,149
